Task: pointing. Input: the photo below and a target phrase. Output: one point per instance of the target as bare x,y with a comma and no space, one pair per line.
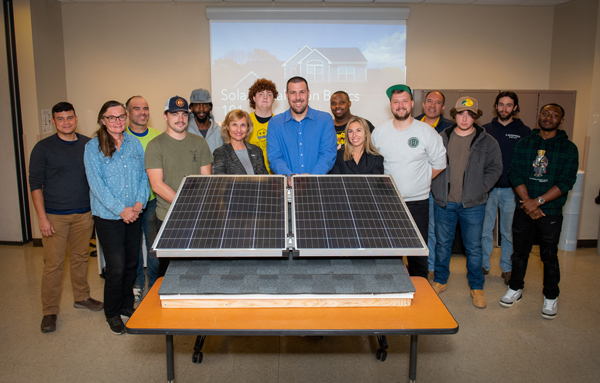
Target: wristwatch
541,201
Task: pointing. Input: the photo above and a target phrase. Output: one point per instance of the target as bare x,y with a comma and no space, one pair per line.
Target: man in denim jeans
507,130
460,193
139,114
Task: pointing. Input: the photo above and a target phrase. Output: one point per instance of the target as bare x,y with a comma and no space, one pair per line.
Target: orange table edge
426,315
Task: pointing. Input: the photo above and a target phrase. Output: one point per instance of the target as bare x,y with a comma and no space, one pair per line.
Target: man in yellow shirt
262,95
433,109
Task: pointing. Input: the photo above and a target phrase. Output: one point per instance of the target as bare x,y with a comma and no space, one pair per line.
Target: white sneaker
511,297
550,308
137,293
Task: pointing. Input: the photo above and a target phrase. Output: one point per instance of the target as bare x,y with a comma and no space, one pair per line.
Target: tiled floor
492,345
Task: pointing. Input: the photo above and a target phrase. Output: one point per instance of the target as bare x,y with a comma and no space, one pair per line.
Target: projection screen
357,50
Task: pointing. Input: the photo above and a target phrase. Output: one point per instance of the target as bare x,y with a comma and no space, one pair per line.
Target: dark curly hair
513,96
475,116
260,85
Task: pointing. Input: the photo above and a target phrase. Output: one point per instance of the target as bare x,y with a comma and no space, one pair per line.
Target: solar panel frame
360,249
163,250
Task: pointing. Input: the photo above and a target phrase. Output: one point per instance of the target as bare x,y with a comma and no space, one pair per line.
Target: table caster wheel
381,355
197,357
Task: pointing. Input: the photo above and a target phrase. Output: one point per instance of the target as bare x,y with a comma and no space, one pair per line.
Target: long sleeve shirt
307,146
56,167
539,172
116,182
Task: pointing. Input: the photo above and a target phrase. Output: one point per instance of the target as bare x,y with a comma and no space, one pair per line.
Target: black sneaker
127,312
116,325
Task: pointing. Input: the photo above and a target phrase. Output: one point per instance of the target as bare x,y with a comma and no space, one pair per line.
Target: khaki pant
76,231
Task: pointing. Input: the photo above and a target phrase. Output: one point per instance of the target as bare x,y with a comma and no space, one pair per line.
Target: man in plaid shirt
543,169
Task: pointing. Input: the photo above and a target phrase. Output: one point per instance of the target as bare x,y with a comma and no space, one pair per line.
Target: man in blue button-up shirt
301,140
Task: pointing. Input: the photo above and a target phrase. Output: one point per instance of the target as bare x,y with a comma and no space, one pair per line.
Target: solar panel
352,215
225,216
247,216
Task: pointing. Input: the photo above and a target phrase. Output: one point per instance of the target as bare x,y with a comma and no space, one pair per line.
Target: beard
505,117
201,120
398,117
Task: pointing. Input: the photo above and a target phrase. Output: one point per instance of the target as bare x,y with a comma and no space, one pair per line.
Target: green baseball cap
402,87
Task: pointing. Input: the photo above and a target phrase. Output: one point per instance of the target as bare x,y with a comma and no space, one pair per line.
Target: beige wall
165,51
478,47
10,227
575,65
42,77
115,50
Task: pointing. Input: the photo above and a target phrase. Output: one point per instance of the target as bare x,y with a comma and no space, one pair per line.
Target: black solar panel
352,215
225,215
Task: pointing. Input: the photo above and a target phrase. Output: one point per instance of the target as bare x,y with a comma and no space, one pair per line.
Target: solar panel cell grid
235,212
351,212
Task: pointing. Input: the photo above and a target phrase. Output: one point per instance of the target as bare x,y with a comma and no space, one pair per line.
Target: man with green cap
414,154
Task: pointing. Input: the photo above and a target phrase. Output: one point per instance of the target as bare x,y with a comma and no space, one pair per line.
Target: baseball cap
402,87
467,103
176,104
200,96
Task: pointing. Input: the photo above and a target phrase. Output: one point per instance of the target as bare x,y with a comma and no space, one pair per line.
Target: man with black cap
171,156
413,154
203,122
460,192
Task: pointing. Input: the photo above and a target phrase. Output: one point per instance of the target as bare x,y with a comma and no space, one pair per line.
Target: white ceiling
471,2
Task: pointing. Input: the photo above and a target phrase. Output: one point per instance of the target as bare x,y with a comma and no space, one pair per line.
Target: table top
426,315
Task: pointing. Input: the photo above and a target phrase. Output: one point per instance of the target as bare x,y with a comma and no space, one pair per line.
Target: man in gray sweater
460,193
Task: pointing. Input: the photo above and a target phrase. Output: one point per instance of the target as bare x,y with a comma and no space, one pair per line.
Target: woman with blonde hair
237,156
358,156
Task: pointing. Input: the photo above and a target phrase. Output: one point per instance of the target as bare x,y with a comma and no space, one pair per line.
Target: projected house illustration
327,65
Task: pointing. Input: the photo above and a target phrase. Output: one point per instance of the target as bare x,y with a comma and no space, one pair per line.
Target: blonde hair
234,116
368,146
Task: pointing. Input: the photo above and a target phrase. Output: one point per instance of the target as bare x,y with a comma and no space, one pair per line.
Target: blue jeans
431,235
505,199
471,224
149,230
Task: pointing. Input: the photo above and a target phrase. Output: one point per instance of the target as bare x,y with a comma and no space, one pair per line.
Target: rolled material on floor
571,211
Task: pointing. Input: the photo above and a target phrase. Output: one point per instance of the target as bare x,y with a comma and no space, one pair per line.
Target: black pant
525,230
163,263
417,265
121,245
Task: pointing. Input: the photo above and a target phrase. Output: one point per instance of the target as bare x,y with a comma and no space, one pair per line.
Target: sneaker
549,309
138,292
438,287
116,325
478,299
506,277
90,304
127,312
511,297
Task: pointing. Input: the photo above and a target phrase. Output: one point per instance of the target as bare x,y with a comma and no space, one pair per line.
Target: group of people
124,179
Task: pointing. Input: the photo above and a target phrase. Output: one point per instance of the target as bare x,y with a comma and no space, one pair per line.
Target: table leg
170,360
412,371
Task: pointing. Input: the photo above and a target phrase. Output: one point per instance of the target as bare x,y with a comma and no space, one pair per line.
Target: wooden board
281,303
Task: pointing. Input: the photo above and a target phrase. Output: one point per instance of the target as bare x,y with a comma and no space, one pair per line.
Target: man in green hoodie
543,169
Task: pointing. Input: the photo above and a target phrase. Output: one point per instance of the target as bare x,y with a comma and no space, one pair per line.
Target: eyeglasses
122,117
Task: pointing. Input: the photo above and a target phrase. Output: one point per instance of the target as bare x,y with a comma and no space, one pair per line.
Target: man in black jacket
507,130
